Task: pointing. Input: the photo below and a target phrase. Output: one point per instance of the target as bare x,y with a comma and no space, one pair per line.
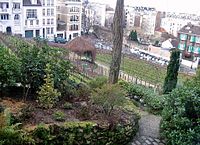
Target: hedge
73,133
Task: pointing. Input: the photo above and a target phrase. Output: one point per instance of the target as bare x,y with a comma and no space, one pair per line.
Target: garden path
149,126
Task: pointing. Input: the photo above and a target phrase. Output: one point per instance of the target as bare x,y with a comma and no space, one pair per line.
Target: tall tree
133,35
117,42
172,72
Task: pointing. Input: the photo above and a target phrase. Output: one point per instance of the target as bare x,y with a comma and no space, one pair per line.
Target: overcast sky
189,6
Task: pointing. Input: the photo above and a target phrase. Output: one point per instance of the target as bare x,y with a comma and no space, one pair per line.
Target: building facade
99,13
189,42
141,17
173,22
11,16
69,13
28,18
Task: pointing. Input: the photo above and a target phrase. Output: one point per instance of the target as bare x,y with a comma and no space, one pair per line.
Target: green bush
146,96
67,105
12,135
181,123
108,97
82,92
48,96
98,82
59,116
85,133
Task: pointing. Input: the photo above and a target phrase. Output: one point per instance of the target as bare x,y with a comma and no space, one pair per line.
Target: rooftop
29,3
190,29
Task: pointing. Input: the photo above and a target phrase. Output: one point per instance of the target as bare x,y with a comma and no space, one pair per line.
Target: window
31,22
48,2
31,13
52,30
4,5
52,21
74,27
4,16
52,2
52,12
43,21
43,12
16,17
16,5
48,30
74,18
25,22
37,22
75,34
74,9
48,21
48,12
43,3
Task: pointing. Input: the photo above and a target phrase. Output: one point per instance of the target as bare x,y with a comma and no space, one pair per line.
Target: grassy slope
140,68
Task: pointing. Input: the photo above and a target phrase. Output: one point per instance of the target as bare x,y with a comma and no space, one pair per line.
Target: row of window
50,30
48,2
4,17
5,5
74,27
74,9
31,13
49,21
31,22
74,18
50,12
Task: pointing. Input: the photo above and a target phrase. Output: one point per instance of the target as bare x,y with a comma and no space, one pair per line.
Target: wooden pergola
82,46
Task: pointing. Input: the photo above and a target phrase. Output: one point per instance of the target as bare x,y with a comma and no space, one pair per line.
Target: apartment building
129,19
11,16
69,14
173,22
99,13
189,41
109,17
49,23
29,18
142,17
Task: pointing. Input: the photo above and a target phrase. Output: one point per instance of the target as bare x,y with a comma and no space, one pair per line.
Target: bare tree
117,42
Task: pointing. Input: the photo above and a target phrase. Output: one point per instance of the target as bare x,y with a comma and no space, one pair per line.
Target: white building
49,23
146,15
129,17
173,22
29,18
99,13
148,23
11,16
109,17
69,13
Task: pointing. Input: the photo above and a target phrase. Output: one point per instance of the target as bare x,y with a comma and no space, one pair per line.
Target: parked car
60,40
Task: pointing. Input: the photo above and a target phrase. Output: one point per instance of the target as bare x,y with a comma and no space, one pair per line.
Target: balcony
4,10
16,11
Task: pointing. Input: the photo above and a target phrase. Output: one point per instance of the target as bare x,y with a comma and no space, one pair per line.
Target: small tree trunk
117,42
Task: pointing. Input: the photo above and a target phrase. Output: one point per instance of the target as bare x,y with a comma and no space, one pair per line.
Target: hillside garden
44,99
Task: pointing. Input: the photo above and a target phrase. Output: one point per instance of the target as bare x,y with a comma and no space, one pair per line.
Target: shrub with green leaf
98,82
147,96
59,116
181,116
9,67
48,96
108,97
12,135
67,105
172,72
